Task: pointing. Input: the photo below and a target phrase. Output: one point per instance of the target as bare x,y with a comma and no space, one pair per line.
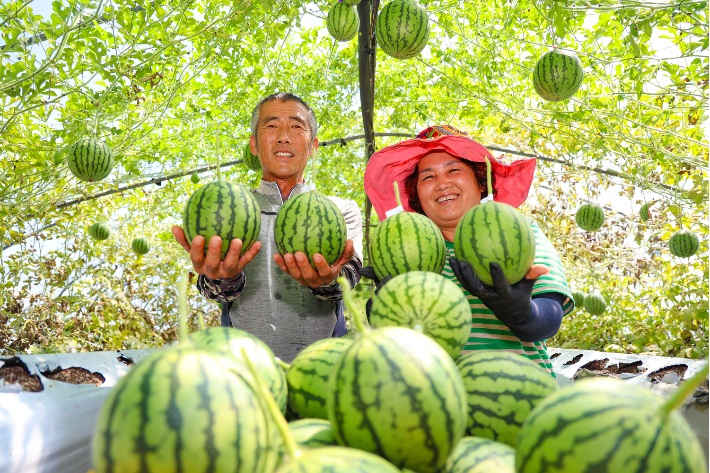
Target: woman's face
447,188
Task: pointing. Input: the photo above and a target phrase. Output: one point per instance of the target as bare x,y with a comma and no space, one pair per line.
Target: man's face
284,140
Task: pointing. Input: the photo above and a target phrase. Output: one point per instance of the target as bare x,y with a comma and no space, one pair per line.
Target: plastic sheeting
50,431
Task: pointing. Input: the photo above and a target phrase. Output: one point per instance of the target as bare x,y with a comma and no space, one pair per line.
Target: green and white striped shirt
489,333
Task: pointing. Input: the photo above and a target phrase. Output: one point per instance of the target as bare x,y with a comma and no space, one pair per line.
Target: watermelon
578,297
337,460
224,209
342,22
590,217
495,232
479,455
402,29
230,342
99,231
311,223
195,178
307,377
502,388
185,409
683,244
140,246
557,75
607,425
351,2
396,393
312,433
426,300
645,213
595,304
90,159
251,161
404,242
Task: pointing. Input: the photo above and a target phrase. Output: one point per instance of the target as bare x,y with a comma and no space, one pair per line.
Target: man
280,299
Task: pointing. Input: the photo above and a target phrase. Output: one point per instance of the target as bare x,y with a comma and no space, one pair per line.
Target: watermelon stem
315,171
350,304
683,391
184,332
285,366
396,193
201,320
488,177
216,155
273,410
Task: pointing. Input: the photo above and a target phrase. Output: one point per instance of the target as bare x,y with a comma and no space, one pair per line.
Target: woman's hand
510,303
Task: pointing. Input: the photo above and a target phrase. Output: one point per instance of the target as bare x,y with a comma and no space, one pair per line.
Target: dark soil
679,370
555,356
15,371
600,367
125,360
574,360
75,375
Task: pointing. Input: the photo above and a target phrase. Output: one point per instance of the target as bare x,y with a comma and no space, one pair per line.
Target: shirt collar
271,189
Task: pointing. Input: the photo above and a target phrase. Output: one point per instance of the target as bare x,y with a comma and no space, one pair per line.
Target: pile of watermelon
389,399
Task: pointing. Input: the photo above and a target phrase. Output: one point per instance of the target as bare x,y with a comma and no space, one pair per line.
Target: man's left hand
299,268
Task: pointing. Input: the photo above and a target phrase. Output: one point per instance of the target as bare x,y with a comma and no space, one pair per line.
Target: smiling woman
443,176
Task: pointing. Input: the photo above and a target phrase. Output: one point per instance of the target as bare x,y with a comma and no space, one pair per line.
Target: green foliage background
156,80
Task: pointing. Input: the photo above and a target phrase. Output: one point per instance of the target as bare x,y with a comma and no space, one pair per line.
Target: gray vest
273,306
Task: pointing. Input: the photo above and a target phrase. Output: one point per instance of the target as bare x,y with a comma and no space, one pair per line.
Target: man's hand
299,268
210,265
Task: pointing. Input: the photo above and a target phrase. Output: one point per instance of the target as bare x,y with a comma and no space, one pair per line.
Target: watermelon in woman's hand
495,232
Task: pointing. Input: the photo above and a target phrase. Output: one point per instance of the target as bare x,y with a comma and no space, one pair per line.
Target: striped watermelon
351,2
427,300
251,161
502,388
495,233
99,231
195,178
590,217
578,297
644,213
607,425
140,246
337,460
479,455
230,341
342,22
396,393
557,75
407,241
402,29
310,223
224,209
683,244
312,433
595,304
185,409
307,377
90,159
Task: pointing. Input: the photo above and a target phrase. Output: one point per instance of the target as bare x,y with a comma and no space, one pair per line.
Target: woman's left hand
510,303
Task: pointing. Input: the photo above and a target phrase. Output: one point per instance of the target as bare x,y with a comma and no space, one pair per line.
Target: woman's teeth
448,197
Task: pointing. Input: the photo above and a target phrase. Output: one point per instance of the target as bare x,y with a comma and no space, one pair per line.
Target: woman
442,174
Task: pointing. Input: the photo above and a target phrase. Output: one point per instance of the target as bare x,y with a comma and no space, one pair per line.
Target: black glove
369,273
510,304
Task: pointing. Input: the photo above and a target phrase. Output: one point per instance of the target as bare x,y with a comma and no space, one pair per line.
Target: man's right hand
210,264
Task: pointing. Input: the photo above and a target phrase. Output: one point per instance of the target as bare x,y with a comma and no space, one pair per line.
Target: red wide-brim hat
396,162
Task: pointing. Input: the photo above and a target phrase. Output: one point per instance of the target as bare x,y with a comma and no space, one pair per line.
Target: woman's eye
426,177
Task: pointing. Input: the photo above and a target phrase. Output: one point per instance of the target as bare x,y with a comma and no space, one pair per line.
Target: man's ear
253,146
314,147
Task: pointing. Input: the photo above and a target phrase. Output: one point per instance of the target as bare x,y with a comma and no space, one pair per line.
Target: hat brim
396,162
